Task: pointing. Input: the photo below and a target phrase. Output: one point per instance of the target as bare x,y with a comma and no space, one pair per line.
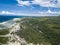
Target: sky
30,7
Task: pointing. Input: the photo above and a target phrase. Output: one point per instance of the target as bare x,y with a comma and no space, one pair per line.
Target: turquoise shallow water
6,18
7,24
2,26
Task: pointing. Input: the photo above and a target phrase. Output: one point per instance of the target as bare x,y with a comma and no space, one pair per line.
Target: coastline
9,23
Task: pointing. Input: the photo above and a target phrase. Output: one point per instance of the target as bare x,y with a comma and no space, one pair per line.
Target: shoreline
9,23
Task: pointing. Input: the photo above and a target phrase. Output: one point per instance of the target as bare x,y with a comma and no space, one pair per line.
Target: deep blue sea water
6,18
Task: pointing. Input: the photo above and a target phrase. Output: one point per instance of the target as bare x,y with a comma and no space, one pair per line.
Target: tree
50,28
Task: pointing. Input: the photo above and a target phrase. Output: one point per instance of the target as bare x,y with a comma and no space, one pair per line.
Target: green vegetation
4,40
44,30
4,31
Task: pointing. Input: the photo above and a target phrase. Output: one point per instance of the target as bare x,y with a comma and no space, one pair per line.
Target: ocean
6,18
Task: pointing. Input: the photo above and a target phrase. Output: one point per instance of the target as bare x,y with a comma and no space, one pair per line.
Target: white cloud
49,11
16,13
39,13
46,13
6,12
21,3
44,3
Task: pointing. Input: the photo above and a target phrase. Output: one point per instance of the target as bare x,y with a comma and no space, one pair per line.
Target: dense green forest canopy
41,30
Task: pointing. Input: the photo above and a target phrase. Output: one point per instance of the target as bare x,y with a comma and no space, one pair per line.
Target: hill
32,31
43,30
